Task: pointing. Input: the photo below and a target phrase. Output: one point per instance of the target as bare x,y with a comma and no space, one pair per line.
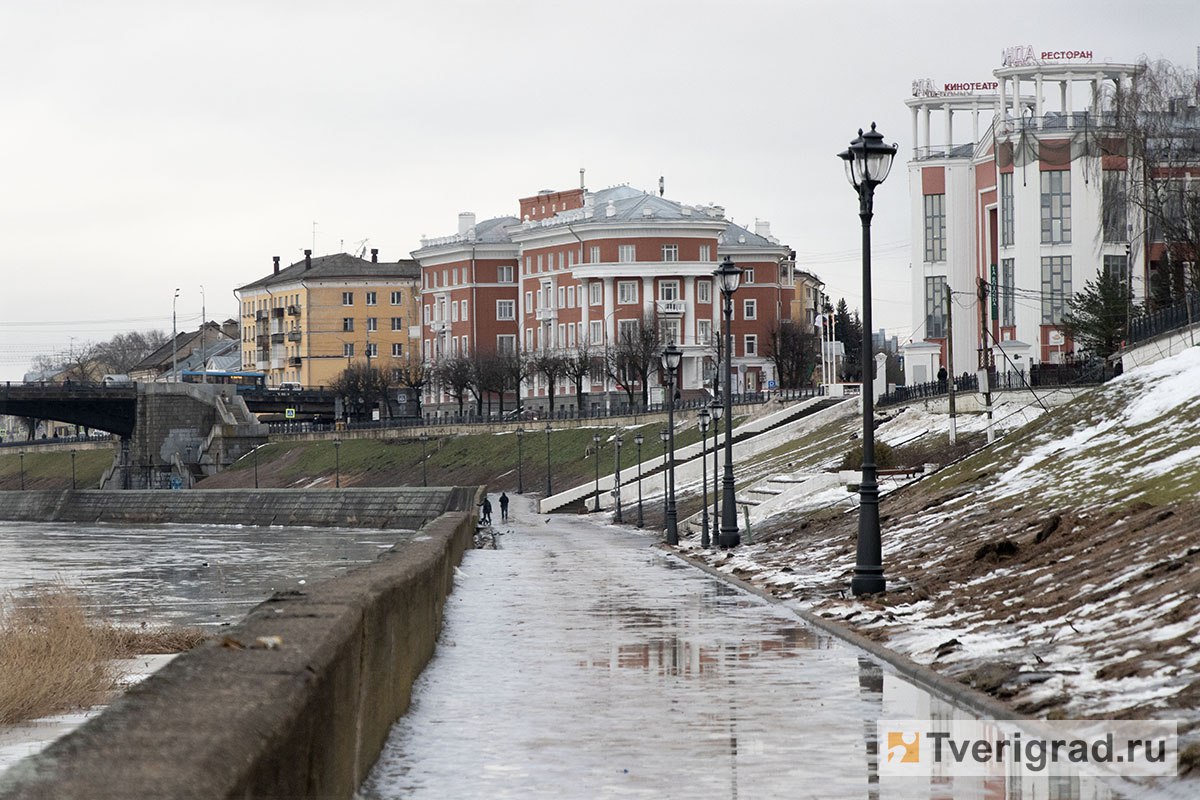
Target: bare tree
456,376
412,372
120,353
794,353
579,367
362,386
635,356
553,367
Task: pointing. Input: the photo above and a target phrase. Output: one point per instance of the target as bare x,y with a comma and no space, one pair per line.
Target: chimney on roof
307,260
466,221
276,260
762,228
374,255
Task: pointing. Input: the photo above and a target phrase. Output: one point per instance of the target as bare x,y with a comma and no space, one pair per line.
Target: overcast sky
154,145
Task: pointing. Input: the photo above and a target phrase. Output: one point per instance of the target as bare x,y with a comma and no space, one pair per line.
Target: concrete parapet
404,507
246,717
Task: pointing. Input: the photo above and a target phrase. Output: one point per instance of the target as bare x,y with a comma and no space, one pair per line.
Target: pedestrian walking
503,507
485,511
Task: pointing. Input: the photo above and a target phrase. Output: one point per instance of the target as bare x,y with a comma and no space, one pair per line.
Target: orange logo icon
903,748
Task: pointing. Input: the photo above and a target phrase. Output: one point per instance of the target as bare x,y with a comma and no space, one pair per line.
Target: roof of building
738,236
178,347
339,265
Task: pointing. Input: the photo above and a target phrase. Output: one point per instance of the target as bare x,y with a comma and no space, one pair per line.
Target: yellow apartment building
307,322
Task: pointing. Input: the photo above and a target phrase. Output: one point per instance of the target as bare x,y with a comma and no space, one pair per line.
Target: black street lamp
671,357
72,470
617,518
549,488
663,435
868,160
638,439
255,465
728,278
21,453
596,442
520,462
424,459
717,410
337,463
704,477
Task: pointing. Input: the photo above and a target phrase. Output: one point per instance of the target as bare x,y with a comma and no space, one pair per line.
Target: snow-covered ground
1058,569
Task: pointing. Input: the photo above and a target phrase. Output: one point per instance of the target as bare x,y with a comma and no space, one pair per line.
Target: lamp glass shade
717,410
868,159
729,275
663,434
671,358
704,417
638,440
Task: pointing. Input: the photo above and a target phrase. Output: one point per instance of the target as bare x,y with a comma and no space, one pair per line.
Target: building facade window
595,331
570,297
506,309
529,302
594,255
397,350
703,331
463,303
748,275
1056,207
1008,310
1117,268
627,330
595,293
372,350
397,323
397,298
703,291
670,252
706,252
504,273
454,312
627,292
749,309
1115,207
372,323
751,348
371,298
668,290
347,324
627,253
668,329
1007,216
935,228
1056,288
347,298
348,350
935,307
506,344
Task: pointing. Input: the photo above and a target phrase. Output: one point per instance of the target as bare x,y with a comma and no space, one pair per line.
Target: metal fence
1162,320
1077,373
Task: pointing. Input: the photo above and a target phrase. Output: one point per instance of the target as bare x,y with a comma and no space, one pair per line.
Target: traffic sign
290,413
770,384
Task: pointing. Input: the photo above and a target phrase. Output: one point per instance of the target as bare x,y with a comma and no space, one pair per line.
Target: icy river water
206,575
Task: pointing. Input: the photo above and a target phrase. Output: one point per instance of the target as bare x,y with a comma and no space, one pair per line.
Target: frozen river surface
181,574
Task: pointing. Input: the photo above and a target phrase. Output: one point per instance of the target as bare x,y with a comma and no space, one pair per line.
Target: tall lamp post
174,340
638,439
662,434
717,410
549,488
868,160
424,459
729,276
21,453
520,462
337,463
617,518
704,477
72,470
596,442
671,357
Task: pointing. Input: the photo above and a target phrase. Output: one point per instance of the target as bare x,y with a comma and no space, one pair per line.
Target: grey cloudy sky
155,145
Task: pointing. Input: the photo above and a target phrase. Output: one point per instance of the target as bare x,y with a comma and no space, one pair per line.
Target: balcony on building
439,325
277,338
293,311
294,361
260,314
671,308
277,312
293,336
262,340
547,313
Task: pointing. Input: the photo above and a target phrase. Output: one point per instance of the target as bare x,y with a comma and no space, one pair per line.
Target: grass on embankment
54,659
485,458
47,468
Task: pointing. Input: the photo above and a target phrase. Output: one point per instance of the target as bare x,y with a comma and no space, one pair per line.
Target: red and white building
1006,185
576,266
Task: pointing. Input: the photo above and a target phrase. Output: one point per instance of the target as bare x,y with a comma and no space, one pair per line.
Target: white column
584,307
949,126
647,295
915,127
1039,111
1003,97
688,321
610,322
928,135
1016,98
1068,100
975,123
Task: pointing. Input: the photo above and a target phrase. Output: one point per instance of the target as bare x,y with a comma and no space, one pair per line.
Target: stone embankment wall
409,507
296,701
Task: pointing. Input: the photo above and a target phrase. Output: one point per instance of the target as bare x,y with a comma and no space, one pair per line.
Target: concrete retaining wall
407,507
235,719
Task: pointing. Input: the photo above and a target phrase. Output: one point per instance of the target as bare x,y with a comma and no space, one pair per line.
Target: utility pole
950,355
203,357
985,360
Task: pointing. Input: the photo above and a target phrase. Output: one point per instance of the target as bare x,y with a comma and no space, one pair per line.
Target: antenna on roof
581,183
661,185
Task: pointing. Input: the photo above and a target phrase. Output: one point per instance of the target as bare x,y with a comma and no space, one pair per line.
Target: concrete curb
927,678
303,715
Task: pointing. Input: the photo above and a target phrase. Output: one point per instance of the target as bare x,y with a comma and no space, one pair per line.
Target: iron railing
1162,320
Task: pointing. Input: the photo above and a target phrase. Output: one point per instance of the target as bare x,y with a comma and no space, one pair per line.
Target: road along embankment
407,507
295,701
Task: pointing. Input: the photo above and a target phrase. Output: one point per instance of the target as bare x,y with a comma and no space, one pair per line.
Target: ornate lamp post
549,490
21,453
337,463
255,464
638,439
704,477
72,470
520,462
424,459
671,357
617,479
868,160
596,442
717,410
728,277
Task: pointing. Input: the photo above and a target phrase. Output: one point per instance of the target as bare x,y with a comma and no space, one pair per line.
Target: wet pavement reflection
180,574
579,662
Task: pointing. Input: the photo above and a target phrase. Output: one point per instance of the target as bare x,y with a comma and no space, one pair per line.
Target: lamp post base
868,582
729,539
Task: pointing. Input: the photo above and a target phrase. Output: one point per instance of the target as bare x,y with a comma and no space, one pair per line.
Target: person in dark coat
485,511
503,507
942,378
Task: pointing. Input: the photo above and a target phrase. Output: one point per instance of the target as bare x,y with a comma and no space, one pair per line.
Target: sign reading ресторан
925,87
1024,55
